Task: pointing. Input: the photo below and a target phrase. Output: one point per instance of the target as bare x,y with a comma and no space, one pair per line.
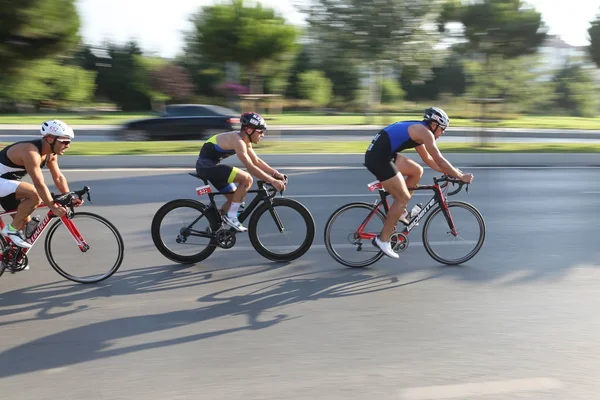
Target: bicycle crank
399,242
14,259
225,238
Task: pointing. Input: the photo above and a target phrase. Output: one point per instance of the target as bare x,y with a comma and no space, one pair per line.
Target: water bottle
416,209
31,226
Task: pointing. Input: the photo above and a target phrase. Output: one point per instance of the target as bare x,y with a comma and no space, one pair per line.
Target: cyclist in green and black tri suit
230,179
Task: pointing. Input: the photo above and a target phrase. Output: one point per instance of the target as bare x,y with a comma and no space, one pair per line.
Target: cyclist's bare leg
411,169
227,203
398,190
244,182
29,201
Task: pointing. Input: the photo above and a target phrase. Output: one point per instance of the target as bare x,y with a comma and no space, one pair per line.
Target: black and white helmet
435,114
253,120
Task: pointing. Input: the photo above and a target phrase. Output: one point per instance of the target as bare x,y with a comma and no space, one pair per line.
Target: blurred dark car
182,122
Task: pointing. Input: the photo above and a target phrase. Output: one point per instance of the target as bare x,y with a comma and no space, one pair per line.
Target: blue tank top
399,137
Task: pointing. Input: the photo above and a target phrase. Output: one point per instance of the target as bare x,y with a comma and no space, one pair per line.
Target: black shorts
378,159
9,202
221,176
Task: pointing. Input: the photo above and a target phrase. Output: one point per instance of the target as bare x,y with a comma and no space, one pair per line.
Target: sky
160,28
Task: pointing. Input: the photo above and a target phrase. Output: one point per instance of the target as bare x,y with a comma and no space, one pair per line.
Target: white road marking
465,390
54,370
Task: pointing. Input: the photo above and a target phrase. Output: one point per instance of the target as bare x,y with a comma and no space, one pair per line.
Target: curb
336,160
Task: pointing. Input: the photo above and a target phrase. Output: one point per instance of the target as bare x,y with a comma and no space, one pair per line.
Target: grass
537,122
193,147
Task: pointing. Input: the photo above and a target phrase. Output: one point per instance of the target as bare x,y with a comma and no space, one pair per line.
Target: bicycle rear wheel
100,260
296,236
343,240
174,227
446,248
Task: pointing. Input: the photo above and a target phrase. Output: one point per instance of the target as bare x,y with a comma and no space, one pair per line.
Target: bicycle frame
438,198
261,195
79,240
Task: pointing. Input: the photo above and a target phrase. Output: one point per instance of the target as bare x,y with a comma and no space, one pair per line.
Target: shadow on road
263,303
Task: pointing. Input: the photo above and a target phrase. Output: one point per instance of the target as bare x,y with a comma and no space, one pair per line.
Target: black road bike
188,231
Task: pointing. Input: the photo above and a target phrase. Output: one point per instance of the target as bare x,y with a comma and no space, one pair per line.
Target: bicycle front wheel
285,234
343,240
446,248
96,254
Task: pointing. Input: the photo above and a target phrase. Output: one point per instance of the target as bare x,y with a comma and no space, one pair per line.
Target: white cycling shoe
386,247
234,223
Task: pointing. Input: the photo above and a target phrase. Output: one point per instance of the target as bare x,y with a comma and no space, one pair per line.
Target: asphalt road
518,321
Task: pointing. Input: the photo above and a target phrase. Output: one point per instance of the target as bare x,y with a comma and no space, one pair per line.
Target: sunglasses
64,141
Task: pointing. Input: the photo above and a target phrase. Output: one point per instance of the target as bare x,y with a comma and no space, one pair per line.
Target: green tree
314,86
391,91
495,29
369,33
49,80
118,77
250,36
517,81
594,33
35,29
576,91
507,28
302,63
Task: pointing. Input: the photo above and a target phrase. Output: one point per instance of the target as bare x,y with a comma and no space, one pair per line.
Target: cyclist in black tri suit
232,180
389,167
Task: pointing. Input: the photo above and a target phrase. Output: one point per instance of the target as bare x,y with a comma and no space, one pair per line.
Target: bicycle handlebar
270,188
449,180
66,199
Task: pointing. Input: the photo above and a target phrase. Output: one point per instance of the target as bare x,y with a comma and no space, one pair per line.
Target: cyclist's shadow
263,303
60,298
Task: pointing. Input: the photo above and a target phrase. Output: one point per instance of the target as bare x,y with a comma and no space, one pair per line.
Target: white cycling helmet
58,128
438,115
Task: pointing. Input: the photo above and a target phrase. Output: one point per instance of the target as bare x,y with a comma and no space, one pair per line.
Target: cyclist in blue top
389,167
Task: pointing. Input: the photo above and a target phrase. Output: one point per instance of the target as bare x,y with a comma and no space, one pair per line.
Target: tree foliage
35,29
594,32
314,86
233,32
366,30
505,28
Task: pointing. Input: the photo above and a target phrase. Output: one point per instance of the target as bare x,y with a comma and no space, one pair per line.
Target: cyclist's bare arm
31,161
241,150
260,163
59,179
423,135
427,159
